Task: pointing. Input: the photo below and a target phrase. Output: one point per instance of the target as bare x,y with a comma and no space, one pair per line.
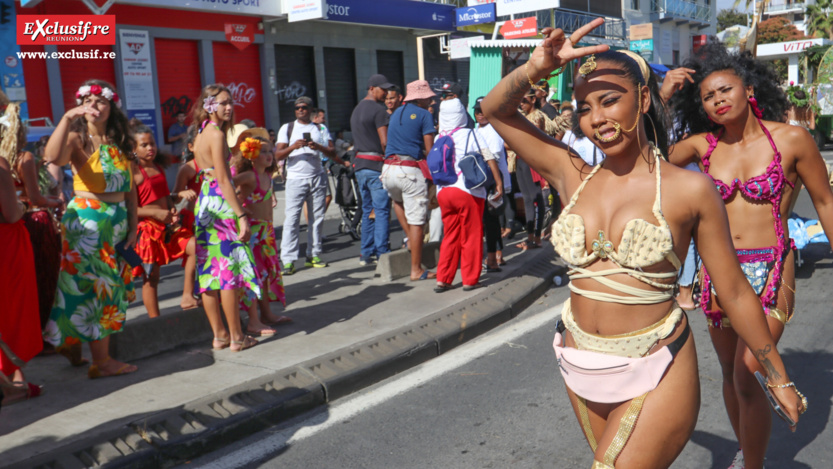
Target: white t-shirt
590,153
496,145
303,162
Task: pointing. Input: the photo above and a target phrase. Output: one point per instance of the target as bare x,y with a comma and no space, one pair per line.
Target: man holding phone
305,178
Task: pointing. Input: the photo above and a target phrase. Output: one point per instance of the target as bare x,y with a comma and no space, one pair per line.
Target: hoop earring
656,139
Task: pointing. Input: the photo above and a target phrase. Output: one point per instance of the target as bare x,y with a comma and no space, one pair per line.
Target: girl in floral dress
224,259
95,285
254,164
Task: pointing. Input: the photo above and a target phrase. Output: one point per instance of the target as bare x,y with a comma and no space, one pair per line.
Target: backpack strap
289,128
450,132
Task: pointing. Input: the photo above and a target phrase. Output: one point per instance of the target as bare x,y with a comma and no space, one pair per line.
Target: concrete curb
210,422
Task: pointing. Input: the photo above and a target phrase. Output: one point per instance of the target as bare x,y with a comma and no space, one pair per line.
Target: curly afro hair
688,112
656,120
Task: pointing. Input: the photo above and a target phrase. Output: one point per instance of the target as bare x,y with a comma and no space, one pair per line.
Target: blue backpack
441,160
476,172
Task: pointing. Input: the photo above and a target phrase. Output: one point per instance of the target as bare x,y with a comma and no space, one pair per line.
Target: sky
727,5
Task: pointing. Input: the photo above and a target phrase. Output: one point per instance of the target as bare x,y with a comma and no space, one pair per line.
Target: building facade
676,26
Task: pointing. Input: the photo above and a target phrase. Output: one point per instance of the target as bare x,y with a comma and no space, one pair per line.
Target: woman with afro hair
732,110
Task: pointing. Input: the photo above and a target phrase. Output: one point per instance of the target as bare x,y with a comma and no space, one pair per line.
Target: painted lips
723,110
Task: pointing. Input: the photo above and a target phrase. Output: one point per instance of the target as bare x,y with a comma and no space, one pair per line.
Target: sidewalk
350,330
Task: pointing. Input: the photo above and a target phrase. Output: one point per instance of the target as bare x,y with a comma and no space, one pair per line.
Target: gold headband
589,66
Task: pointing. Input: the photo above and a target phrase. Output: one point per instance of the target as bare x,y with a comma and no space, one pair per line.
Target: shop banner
13,84
460,48
699,41
300,10
641,31
397,13
475,15
238,7
240,36
642,45
516,29
472,3
137,74
513,7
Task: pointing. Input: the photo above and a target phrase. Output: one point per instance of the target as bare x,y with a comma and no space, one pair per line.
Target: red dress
19,321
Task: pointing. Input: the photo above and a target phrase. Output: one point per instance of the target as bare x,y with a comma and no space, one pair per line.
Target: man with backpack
410,138
464,170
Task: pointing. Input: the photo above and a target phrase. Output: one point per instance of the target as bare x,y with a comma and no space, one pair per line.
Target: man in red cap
410,138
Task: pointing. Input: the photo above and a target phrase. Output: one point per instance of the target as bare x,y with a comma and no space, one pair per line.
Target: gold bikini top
643,244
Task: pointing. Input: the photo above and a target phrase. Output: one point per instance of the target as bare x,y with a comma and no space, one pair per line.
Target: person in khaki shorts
410,138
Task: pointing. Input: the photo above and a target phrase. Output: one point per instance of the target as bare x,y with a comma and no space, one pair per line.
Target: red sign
525,27
240,36
699,41
99,30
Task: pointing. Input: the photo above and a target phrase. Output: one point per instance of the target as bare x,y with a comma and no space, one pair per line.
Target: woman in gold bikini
627,355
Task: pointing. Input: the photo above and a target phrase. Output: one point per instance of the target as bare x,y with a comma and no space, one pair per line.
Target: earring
755,109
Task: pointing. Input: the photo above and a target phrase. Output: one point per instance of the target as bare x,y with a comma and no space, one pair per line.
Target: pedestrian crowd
455,179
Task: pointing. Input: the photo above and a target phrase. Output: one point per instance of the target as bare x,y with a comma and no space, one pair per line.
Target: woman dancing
732,108
224,258
624,254
95,285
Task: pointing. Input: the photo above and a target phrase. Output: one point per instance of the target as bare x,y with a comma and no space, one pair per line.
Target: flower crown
791,91
250,148
97,90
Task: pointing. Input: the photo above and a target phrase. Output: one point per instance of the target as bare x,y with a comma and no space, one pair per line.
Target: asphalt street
499,402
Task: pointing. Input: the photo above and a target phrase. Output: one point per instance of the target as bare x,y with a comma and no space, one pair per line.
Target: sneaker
366,261
738,463
288,269
315,262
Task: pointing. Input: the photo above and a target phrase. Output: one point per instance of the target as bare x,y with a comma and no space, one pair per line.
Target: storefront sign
240,36
239,7
513,7
475,15
641,31
515,29
642,45
699,41
300,10
460,49
137,75
472,3
398,13
13,84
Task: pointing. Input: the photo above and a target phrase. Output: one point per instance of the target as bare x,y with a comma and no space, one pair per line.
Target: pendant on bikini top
602,247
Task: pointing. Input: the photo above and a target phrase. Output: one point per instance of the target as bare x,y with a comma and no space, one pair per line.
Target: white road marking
354,405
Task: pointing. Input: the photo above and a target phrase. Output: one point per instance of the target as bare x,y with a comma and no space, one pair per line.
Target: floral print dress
95,285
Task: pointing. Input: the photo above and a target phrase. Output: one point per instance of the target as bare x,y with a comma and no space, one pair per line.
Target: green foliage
810,58
777,29
728,18
819,18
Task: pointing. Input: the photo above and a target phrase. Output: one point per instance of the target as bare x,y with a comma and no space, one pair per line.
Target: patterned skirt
223,261
267,263
95,285
19,324
45,236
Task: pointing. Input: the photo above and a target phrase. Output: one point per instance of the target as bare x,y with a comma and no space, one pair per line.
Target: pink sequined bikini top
766,186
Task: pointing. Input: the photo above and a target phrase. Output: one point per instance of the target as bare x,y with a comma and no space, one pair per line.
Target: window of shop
240,72
77,71
178,72
390,64
340,73
295,73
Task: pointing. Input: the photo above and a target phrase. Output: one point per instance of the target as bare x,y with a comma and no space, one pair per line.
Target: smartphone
776,406
128,254
307,137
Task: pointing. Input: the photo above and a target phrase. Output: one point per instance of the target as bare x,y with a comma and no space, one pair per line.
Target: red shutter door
37,86
178,72
77,71
240,72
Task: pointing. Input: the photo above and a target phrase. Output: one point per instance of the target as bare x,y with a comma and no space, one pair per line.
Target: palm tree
819,20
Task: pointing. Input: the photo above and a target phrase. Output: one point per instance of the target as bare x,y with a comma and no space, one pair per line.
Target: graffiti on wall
289,93
242,93
173,106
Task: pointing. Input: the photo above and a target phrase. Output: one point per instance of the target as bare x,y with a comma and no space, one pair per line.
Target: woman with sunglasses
624,253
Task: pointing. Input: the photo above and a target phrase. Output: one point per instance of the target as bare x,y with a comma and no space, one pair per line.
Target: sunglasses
299,108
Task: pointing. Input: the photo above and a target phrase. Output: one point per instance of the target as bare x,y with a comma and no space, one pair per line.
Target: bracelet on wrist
242,215
551,75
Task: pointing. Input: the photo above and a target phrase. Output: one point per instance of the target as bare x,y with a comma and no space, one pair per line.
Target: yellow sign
484,28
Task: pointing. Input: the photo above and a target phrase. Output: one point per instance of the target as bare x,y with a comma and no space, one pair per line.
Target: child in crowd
254,163
161,237
188,181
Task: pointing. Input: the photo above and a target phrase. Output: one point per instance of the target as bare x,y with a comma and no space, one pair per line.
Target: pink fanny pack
598,377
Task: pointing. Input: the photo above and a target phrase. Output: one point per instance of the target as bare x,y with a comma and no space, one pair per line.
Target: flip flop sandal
426,274
94,372
224,344
244,344
472,287
443,288
30,391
